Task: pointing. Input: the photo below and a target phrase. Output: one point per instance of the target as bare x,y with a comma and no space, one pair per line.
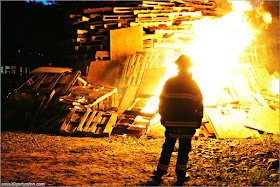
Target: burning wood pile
163,19
120,95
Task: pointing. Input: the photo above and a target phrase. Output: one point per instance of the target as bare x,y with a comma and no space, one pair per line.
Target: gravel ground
129,161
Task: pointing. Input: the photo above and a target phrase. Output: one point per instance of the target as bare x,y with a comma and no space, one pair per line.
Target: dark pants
183,154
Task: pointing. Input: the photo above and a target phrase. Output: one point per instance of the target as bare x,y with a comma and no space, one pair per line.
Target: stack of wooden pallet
93,25
256,113
140,78
91,111
169,25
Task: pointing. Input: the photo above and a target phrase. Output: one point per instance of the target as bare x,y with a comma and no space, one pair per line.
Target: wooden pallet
124,10
152,18
118,17
156,3
257,76
135,65
133,121
263,119
94,10
157,16
231,125
89,123
164,10
87,114
147,24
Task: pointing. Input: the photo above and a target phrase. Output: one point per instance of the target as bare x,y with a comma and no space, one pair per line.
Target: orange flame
217,45
215,50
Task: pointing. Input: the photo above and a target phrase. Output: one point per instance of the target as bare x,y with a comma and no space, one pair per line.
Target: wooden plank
130,39
66,122
103,72
156,60
122,9
230,125
136,70
131,66
118,17
102,98
150,80
57,77
128,98
260,99
263,119
141,69
151,18
83,120
156,3
209,128
95,121
148,24
102,54
168,15
205,132
125,70
136,12
241,89
85,129
161,31
110,124
103,9
39,82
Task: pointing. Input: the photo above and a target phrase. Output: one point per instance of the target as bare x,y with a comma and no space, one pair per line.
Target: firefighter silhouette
181,111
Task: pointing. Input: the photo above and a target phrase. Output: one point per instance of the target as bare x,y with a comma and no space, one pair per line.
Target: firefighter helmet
183,62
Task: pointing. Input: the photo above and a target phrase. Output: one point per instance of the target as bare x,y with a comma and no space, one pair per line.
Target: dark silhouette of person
181,110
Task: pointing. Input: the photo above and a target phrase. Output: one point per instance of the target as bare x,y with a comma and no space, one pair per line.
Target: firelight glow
215,50
217,45
275,84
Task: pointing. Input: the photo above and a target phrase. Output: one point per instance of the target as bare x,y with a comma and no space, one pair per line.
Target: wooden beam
110,124
83,120
95,121
64,126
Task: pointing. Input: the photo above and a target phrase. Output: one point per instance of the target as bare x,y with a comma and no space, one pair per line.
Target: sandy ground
119,161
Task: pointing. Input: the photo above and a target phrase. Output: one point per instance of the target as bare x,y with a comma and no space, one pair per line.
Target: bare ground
119,161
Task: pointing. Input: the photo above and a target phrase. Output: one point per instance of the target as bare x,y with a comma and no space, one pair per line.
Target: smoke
268,36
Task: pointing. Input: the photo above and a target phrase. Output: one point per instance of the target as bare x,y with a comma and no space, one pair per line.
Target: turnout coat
181,106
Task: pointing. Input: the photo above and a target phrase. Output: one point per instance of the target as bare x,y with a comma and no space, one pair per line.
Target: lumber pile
140,77
91,111
161,22
57,100
247,111
123,80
